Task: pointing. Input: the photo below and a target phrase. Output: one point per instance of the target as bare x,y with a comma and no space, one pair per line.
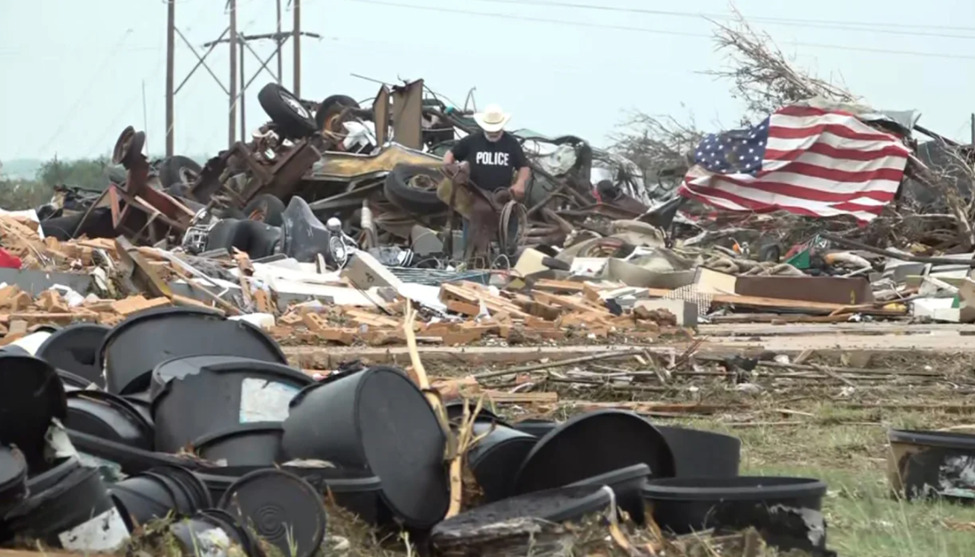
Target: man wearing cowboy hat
495,157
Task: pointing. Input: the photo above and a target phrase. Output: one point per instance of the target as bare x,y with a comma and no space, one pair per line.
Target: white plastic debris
262,320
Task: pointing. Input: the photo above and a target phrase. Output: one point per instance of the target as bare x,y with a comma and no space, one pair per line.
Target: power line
874,27
654,31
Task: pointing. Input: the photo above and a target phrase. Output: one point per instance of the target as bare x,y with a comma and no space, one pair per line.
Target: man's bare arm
518,188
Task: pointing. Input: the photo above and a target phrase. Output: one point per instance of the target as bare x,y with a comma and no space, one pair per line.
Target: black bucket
143,403
627,485
281,508
74,382
137,345
109,417
702,454
455,411
50,477
194,535
13,478
221,396
357,491
379,420
31,395
496,457
257,444
159,493
932,464
184,366
143,498
537,427
592,444
476,532
76,513
75,349
786,511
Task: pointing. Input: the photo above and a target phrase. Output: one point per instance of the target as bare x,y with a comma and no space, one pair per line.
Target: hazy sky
74,72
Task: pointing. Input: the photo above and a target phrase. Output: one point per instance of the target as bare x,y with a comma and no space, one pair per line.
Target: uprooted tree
764,80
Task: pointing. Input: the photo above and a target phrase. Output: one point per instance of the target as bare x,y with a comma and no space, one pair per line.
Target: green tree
16,195
89,174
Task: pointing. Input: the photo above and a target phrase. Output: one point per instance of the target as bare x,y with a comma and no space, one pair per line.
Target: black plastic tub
184,366
476,532
74,382
144,498
282,509
143,403
592,444
75,349
786,511
195,534
31,395
537,427
377,419
13,478
702,454
159,493
257,444
932,464
50,477
358,491
496,457
76,513
109,417
455,411
627,485
135,346
220,396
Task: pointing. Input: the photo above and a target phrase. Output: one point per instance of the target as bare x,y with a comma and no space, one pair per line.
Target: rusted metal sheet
346,166
408,114
380,115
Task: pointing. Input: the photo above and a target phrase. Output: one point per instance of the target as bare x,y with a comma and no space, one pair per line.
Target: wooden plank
762,302
502,397
562,286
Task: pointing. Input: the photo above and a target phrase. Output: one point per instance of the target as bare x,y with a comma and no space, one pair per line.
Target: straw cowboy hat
492,119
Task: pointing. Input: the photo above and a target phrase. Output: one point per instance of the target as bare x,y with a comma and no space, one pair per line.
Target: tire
333,105
556,264
178,170
293,120
268,206
399,191
98,225
256,239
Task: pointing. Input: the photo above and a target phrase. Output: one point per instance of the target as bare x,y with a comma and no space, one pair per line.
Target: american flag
804,160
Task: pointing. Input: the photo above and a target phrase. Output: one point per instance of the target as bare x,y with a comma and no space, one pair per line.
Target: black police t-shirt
493,163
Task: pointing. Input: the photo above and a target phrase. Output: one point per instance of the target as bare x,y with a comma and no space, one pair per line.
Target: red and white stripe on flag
817,163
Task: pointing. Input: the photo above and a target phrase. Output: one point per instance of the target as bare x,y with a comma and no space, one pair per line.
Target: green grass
863,517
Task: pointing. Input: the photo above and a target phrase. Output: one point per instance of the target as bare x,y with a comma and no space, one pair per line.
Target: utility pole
280,62
243,87
973,128
232,95
296,29
239,82
170,68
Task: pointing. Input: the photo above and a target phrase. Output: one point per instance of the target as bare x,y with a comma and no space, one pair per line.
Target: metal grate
689,293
